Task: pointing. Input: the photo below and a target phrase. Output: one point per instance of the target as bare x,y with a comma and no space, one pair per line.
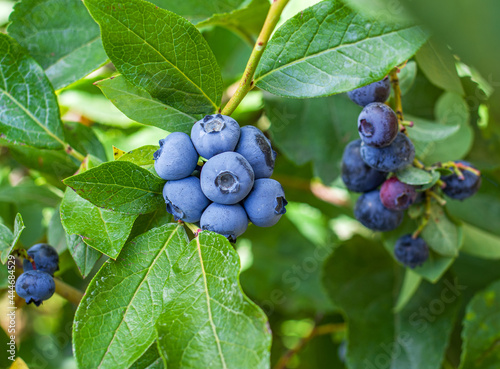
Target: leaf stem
70,293
317,331
246,82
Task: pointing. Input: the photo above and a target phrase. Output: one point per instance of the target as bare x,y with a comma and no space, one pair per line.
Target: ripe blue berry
176,158
35,286
227,178
410,251
396,195
184,199
230,221
374,92
358,176
45,257
372,214
461,189
378,125
215,134
266,202
399,154
256,148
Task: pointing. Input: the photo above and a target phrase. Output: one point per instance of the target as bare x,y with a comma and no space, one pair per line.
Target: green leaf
67,47
426,131
138,105
150,360
314,130
161,52
102,229
328,48
480,243
410,285
9,242
213,322
246,21
29,113
84,140
142,156
56,235
441,234
85,257
435,178
438,65
360,278
29,193
198,10
407,77
414,176
434,268
120,186
480,348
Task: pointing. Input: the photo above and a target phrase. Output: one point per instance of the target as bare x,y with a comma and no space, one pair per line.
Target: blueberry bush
249,184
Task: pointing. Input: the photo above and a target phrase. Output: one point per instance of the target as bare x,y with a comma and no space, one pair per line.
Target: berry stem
70,293
397,97
246,82
316,331
426,216
193,228
438,198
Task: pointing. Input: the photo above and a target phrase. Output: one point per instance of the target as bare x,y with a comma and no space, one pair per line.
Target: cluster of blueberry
367,163
231,188
36,284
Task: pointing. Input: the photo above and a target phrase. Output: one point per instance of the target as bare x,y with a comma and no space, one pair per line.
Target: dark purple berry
372,214
35,286
399,154
45,257
396,195
374,92
358,176
461,189
378,125
411,252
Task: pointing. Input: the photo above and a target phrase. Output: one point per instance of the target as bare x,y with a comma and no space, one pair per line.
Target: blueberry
266,202
410,251
378,125
35,286
184,199
396,195
230,221
227,178
461,189
45,257
358,176
399,154
256,148
374,92
215,134
176,158
372,214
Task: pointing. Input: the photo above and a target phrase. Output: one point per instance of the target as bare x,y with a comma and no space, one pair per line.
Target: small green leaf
360,277
85,257
414,176
438,65
328,48
427,131
128,294
142,156
441,234
29,193
212,321
84,140
435,178
67,47
161,52
9,240
246,21
480,243
138,105
29,112
102,229
410,285
120,186
481,333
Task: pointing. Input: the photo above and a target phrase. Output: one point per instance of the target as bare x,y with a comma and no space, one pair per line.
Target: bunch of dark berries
230,187
369,164
36,284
